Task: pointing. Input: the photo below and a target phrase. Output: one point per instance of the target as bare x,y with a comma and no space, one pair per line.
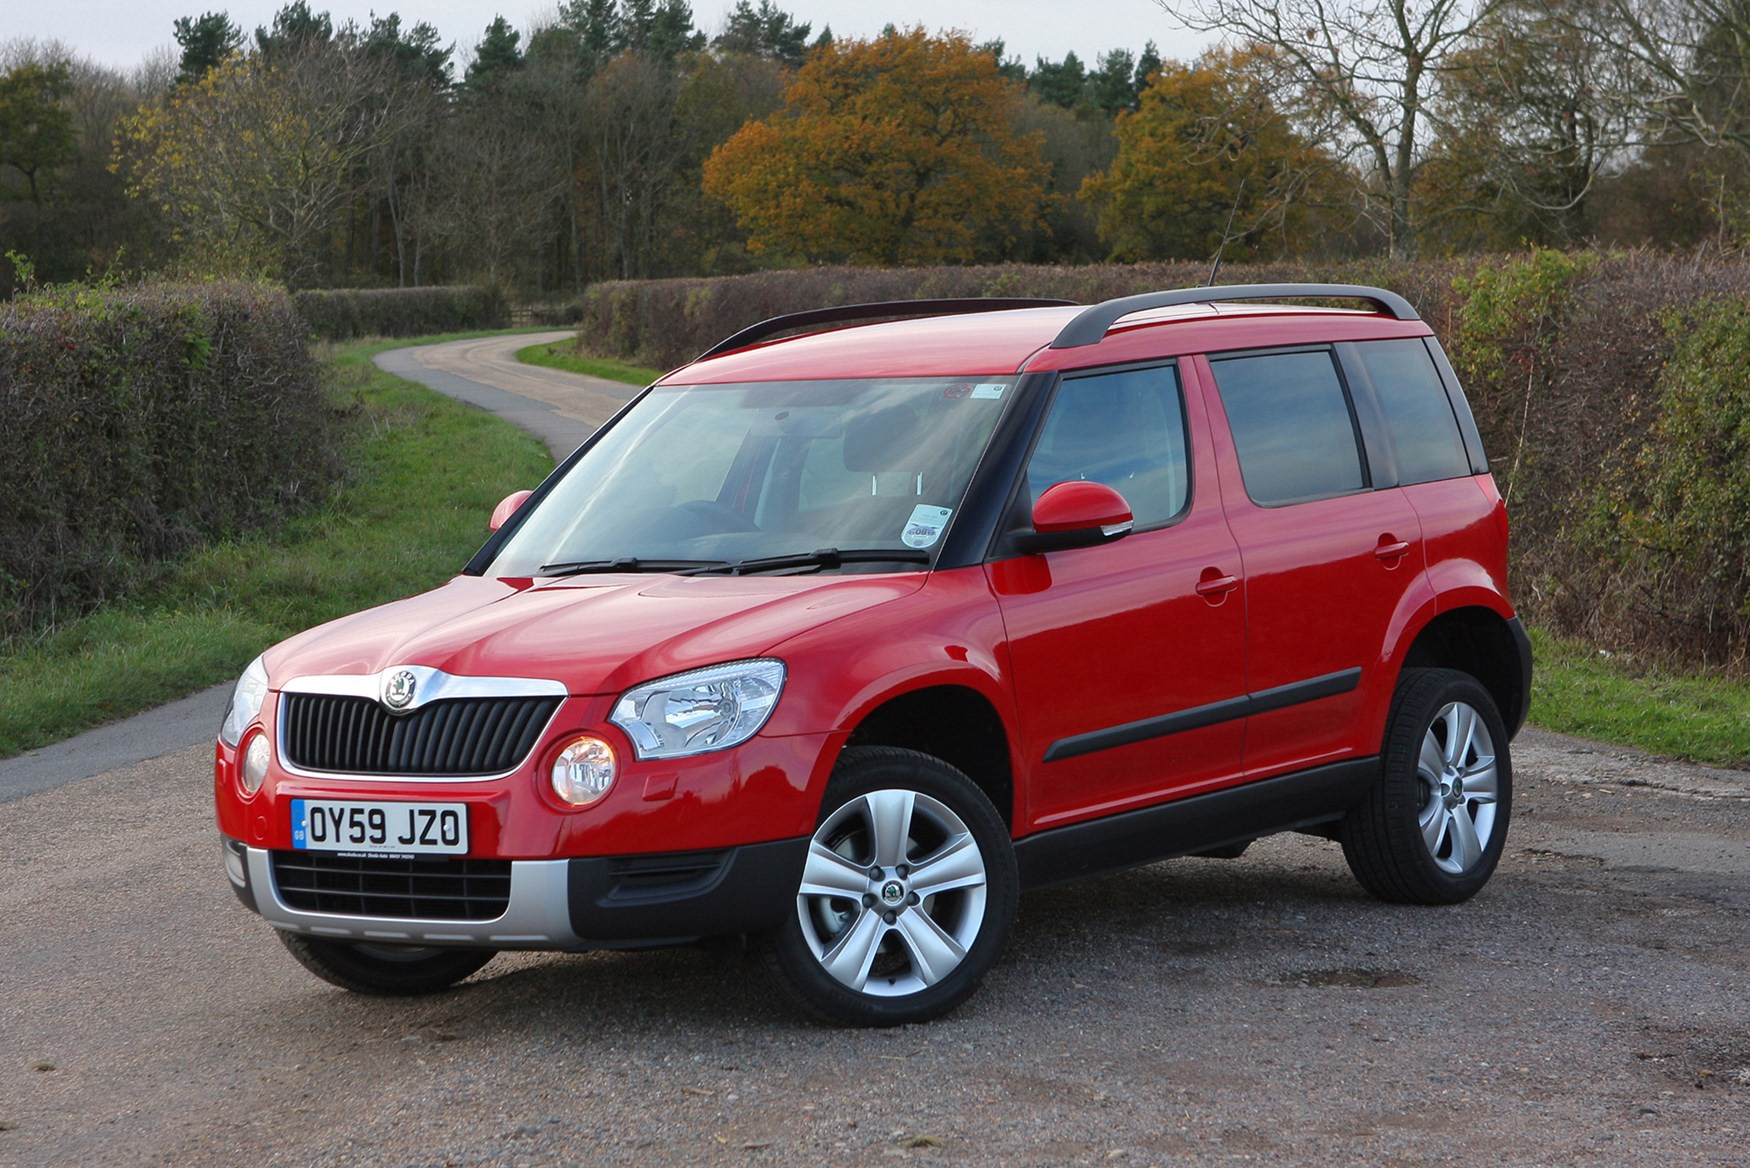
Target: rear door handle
1393,550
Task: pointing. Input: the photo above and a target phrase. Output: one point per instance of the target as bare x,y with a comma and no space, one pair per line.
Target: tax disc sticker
925,526
991,390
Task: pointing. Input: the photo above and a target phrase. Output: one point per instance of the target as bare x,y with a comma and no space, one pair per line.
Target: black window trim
1366,447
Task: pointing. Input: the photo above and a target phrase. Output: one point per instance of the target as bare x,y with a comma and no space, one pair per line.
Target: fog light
584,771
255,763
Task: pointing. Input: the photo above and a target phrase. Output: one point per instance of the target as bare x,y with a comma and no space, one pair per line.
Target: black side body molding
1227,710
1200,823
884,309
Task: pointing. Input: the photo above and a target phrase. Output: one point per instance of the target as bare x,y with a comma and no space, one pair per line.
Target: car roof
1004,343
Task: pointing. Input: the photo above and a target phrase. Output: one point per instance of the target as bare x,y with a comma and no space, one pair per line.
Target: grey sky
122,33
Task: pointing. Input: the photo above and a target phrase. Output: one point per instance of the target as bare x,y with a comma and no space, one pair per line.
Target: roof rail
1089,327
892,308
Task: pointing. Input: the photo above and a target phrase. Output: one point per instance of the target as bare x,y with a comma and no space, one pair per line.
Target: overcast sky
122,33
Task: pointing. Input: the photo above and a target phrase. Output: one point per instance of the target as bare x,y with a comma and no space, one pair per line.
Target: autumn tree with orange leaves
905,149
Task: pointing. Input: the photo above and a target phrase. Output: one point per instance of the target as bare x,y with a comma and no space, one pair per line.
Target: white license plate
345,825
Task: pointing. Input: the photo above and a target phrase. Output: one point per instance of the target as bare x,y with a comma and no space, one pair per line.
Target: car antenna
1226,234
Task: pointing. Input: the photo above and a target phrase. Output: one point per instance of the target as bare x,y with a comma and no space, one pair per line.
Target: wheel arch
1487,646
955,723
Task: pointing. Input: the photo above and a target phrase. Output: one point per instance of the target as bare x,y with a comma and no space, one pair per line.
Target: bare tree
254,163
1693,57
1534,112
1369,70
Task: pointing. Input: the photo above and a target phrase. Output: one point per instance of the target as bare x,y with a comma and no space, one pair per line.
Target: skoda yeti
870,619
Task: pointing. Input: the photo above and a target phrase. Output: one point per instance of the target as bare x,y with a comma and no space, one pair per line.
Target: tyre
386,970
907,898
1432,830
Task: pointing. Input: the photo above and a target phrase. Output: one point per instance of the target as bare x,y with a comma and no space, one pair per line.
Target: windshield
695,476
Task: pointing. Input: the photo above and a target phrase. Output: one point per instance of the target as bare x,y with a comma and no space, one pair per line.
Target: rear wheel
1432,830
908,895
386,970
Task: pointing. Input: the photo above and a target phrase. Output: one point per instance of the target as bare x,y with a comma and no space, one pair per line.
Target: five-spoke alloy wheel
907,897
1432,831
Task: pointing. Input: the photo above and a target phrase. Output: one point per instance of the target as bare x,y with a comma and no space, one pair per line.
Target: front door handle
1215,584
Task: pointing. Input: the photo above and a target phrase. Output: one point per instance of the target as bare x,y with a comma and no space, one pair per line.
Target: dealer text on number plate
346,825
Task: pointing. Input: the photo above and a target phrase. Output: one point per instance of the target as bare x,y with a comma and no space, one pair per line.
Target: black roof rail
1089,327
891,308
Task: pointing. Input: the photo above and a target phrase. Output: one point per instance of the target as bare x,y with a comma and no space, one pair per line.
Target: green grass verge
425,475
563,355
1577,689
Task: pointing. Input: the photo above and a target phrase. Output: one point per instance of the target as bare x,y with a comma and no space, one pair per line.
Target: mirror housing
506,508
1077,514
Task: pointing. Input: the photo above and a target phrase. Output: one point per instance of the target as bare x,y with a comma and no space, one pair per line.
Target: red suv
843,640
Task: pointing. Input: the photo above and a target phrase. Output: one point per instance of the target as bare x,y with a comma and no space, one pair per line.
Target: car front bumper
595,902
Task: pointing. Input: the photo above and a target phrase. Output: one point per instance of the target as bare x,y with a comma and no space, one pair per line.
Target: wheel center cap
893,894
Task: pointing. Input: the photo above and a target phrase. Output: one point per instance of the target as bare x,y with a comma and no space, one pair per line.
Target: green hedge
665,323
1613,392
136,423
339,314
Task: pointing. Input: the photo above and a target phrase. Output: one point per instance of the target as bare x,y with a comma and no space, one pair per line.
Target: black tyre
385,970
1432,830
907,898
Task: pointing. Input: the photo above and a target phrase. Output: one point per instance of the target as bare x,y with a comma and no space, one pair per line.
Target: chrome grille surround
454,729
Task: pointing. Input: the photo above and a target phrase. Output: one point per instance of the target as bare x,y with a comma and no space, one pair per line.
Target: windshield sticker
925,526
992,391
958,391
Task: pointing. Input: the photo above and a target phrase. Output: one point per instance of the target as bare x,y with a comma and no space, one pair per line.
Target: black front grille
458,736
440,889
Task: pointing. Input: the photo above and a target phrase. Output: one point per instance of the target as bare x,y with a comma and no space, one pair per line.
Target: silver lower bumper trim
538,916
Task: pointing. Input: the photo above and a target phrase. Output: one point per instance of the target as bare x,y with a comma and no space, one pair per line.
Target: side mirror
506,508
1077,514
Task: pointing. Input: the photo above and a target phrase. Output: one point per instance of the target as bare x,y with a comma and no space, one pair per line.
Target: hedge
1613,392
338,314
138,422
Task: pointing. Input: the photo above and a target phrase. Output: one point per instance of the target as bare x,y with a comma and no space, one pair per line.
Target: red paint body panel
594,634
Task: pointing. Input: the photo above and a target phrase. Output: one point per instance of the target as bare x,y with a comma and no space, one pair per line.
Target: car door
1124,654
1332,564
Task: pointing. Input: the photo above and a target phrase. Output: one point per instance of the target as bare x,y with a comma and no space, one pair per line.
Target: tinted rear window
1418,414
1292,424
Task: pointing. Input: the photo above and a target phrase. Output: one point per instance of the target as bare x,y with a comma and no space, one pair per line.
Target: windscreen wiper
819,558
627,564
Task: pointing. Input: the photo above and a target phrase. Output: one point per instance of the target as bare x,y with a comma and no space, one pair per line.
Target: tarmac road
1591,1006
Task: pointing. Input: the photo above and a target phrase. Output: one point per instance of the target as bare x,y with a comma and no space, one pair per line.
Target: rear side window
1292,425
1418,414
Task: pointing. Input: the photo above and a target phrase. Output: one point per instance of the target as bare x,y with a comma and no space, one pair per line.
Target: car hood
594,634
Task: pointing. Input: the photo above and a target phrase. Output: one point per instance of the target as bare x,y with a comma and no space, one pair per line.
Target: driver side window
1124,429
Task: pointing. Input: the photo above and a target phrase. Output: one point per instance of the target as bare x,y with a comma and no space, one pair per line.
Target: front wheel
1432,830
384,970
908,895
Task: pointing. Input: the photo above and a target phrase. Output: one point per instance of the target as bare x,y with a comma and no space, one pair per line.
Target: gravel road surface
1591,1006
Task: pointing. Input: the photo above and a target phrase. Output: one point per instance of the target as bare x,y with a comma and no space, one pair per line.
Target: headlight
246,702
704,710
255,761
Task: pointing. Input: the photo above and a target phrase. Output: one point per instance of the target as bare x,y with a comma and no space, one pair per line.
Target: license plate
345,825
